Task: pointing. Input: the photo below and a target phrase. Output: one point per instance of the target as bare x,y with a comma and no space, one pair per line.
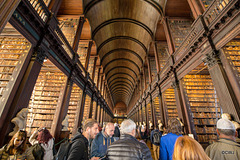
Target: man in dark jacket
79,149
128,147
102,141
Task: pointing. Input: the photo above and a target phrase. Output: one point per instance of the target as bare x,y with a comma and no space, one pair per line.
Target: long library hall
63,62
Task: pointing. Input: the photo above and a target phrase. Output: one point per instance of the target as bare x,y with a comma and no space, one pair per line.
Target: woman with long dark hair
45,139
15,149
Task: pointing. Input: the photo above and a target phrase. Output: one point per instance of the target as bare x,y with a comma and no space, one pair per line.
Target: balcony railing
41,9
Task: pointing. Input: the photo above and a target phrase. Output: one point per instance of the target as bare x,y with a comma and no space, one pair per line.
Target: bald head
109,129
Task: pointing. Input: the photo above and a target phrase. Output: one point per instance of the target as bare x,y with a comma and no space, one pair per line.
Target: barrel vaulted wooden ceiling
122,31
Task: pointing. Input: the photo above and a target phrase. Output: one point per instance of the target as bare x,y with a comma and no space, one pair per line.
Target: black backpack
156,137
63,150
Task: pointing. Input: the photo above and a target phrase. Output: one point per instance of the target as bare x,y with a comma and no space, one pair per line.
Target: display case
46,97
202,102
13,52
74,106
86,107
179,30
169,102
157,108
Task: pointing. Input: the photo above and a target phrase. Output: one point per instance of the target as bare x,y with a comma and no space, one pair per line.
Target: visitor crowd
127,142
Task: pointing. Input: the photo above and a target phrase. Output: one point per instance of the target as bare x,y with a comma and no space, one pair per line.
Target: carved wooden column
61,111
181,107
78,32
7,7
99,116
153,112
196,8
225,93
96,112
146,113
94,67
91,107
80,118
24,91
142,112
171,47
90,43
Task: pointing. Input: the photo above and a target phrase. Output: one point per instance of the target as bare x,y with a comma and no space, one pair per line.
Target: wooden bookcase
157,108
74,105
170,103
45,97
13,51
202,102
179,30
86,107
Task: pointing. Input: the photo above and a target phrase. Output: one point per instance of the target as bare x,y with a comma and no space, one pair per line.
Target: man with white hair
128,147
226,147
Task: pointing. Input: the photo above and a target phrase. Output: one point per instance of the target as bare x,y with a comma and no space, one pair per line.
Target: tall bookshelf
170,103
74,105
86,107
13,51
82,52
149,111
232,52
157,108
153,66
90,66
162,50
202,102
45,97
179,30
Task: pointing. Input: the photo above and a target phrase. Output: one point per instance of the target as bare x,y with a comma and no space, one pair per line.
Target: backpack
156,137
63,150
36,151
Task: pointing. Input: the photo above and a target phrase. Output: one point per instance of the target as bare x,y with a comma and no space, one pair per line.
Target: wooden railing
41,9
214,10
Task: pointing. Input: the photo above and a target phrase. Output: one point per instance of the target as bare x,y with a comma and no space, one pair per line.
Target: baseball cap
225,124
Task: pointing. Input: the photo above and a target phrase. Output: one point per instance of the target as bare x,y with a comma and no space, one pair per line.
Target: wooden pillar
99,77
78,32
156,57
99,117
181,107
61,111
146,114
91,107
7,7
94,67
142,112
225,93
96,112
90,43
80,118
144,79
153,112
24,91
54,6
162,110
196,8
149,71
101,82
171,47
